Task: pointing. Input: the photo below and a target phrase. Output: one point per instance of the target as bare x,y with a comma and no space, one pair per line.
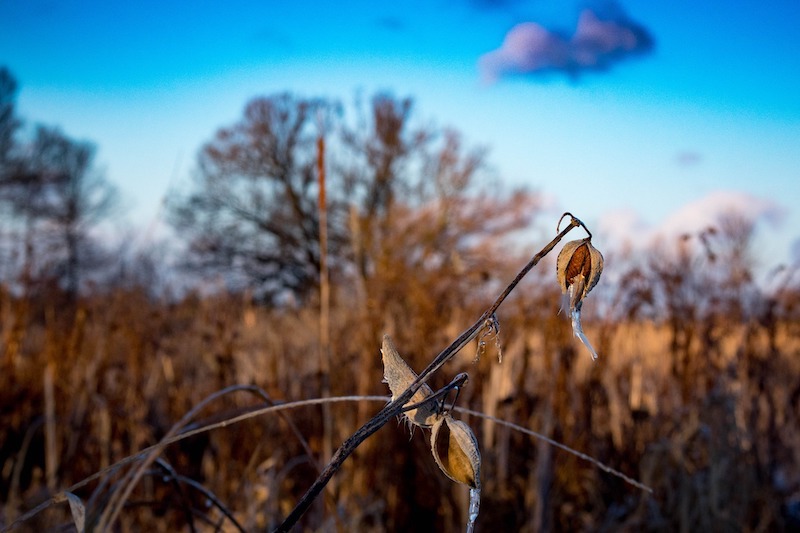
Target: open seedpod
455,449
578,270
399,376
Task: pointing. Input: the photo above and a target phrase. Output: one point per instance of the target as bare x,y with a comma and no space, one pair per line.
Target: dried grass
710,418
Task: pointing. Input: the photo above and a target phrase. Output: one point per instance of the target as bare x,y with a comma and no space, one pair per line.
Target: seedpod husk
579,265
399,376
578,270
455,450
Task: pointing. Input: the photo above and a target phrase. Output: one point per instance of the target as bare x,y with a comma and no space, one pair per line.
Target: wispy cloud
623,226
710,209
688,158
601,38
626,227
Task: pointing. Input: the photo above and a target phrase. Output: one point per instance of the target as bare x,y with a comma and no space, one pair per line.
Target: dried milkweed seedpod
455,450
399,376
578,269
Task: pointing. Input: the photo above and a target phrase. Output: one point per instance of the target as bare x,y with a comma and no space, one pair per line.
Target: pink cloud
527,47
626,228
622,225
795,252
708,210
597,42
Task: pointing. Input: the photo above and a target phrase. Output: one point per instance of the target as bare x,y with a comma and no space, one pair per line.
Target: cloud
622,223
601,38
710,209
794,252
627,229
688,158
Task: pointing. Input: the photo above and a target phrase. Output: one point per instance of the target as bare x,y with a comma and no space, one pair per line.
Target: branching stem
456,383
395,407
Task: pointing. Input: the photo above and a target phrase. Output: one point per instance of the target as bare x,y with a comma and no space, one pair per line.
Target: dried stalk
395,407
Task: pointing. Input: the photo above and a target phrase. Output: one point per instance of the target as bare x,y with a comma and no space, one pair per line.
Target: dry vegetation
699,400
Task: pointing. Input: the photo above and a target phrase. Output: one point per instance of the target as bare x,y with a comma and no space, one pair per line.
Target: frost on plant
578,268
491,328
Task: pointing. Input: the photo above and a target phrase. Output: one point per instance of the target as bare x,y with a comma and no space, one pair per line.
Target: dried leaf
399,377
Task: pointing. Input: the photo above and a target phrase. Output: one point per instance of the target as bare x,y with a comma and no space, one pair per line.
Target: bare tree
382,147
427,217
52,197
252,213
9,123
423,198
396,194
58,197
81,198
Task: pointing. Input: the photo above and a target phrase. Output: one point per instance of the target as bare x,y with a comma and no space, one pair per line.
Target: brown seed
579,264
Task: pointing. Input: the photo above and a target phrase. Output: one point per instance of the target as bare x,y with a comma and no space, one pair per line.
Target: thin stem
395,407
172,476
556,444
456,383
119,497
279,408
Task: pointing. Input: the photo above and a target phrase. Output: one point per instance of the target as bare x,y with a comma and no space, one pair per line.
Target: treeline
250,216
51,198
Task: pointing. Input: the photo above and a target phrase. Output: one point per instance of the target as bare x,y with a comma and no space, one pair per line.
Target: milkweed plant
453,444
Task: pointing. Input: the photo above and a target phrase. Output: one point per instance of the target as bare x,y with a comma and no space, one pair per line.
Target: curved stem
574,221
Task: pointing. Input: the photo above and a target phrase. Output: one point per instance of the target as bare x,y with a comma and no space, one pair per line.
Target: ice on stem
577,330
474,507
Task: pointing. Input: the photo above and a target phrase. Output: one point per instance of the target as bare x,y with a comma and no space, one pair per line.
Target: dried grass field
703,407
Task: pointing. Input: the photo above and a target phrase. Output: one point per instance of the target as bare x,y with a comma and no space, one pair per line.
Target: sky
644,119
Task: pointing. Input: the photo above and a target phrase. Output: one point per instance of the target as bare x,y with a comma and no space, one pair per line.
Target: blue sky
659,141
